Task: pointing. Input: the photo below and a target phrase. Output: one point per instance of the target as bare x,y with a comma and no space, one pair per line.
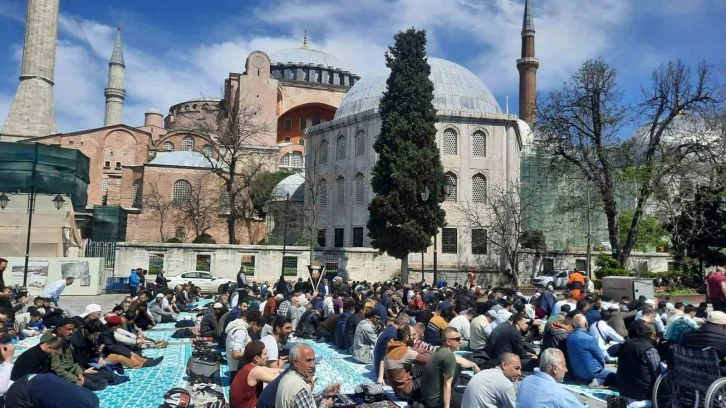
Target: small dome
526,132
455,89
294,185
684,129
306,56
185,159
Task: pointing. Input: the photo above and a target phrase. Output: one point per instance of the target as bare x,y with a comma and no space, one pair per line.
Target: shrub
204,239
606,261
174,240
601,273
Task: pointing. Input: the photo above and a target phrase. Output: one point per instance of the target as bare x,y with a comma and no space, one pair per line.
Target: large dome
455,89
306,56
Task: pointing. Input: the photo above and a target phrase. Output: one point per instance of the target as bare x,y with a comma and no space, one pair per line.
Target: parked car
557,279
206,281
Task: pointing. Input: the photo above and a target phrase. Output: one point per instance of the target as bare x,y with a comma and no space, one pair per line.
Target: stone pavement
79,303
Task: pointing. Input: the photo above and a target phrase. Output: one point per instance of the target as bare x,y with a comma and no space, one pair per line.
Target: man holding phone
281,329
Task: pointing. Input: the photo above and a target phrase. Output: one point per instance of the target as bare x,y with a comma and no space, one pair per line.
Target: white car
205,280
557,279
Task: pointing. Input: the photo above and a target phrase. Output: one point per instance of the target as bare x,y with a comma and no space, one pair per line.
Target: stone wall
353,263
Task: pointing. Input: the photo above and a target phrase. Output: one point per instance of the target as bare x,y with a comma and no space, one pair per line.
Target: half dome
456,89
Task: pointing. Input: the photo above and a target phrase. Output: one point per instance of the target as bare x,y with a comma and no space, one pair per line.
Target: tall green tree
400,222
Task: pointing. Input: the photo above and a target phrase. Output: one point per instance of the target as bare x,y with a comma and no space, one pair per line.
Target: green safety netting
109,223
50,169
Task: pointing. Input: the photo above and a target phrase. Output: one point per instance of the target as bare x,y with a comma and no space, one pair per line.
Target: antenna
507,104
305,40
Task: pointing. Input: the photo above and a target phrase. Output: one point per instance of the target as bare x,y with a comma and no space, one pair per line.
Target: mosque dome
526,132
455,89
294,185
306,56
185,159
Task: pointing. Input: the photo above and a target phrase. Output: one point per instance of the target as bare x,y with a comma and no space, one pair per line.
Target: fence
107,251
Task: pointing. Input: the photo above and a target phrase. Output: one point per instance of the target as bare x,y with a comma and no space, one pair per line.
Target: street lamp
4,200
449,185
58,201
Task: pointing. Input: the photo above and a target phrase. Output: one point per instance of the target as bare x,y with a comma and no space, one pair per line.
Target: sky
176,50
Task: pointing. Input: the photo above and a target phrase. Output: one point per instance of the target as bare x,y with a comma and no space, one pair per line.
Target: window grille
449,146
340,148
188,144
479,144
359,187
169,146
248,261
156,263
339,237
224,200
357,236
296,159
478,189
479,241
208,151
360,143
448,241
285,160
340,190
451,178
323,152
182,192
104,184
323,193
331,264
138,188
289,265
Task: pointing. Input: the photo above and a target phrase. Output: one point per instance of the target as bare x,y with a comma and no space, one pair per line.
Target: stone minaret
115,93
527,67
32,113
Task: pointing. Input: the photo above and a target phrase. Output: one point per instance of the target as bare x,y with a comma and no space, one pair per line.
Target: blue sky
180,49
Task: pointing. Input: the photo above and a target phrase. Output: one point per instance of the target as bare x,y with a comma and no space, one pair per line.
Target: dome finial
305,40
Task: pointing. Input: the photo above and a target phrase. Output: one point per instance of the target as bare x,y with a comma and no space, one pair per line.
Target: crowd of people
408,335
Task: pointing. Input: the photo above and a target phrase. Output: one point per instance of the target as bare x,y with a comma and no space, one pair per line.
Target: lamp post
58,202
449,185
266,209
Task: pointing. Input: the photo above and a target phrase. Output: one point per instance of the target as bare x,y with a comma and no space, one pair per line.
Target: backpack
184,323
183,334
177,398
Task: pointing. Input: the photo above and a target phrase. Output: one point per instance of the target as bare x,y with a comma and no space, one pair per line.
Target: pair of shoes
205,394
153,362
120,379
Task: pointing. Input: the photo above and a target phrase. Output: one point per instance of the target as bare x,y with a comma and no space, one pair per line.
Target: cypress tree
400,222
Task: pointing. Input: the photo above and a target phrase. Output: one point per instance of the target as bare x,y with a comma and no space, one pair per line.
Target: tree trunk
404,270
633,233
611,213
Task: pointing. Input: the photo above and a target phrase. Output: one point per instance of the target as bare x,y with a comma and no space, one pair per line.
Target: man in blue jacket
586,357
134,283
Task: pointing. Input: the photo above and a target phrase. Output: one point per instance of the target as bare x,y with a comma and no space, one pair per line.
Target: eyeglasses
454,338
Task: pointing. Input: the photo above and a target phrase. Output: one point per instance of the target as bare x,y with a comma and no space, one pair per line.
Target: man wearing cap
159,314
210,320
710,334
365,338
480,329
93,312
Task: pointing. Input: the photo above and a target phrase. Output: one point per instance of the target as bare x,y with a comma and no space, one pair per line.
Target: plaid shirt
284,308
306,399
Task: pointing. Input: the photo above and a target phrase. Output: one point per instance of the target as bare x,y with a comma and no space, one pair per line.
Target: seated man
158,313
435,326
462,323
116,352
440,371
681,324
48,391
388,334
307,327
507,338
480,329
143,319
494,387
210,320
326,329
586,357
606,336
281,329
239,334
365,337
639,364
398,364
556,335
710,334
541,389
36,360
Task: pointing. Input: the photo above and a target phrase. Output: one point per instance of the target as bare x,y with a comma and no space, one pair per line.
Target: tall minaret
32,113
115,92
527,67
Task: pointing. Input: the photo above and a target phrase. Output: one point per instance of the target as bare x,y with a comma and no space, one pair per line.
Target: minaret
115,92
527,67
32,113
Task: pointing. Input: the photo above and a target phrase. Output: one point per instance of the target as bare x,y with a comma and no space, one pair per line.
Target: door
192,277
561,280
207,282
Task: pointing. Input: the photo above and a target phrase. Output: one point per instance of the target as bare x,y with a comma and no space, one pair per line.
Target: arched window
169,146
285,160
301,142
479,144
137,193
188,144
296,159
360,143
359,187
182,192
478,188
323,152
340,190
288,124
449,146
340,148
322,197
208,151
451,177
287,139
104,184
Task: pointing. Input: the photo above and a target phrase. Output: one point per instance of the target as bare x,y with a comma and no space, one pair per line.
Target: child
702,311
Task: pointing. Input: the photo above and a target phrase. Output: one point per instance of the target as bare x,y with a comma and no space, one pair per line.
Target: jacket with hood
208,326
364,341
397,366
63,363
307,327
556,337
238,337
133,279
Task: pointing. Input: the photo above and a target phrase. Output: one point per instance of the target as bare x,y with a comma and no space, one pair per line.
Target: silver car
557,279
